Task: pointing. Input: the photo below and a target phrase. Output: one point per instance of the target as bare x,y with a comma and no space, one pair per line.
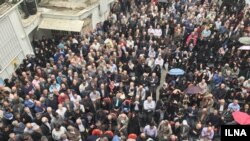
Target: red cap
110,133
132,136
96,132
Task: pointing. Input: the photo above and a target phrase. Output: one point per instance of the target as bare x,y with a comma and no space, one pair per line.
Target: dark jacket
217,107
53,103
194,132
105,94
134,125
26,118
214,120
157,116
45,130
144,81
36,136
194,112
154,81
220,93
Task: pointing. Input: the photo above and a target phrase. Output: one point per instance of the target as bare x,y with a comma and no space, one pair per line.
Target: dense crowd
110,83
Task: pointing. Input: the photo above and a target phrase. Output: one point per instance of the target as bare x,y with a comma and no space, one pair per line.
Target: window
65,33
75,33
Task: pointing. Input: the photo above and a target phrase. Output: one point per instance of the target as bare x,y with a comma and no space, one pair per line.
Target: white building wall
100,13
20,32
95,17
15,44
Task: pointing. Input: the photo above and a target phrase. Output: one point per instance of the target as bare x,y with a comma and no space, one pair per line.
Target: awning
61,25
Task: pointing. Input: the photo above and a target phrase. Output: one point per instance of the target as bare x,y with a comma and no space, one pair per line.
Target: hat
176,91
29,104
96,132
184,122
150,139
110,133
8,115
15,122
132,136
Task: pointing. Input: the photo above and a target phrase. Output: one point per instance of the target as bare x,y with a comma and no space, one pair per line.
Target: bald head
49,109
44,119
78,121
209,129
28,125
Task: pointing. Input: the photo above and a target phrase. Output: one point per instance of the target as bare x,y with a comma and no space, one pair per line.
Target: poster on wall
15,63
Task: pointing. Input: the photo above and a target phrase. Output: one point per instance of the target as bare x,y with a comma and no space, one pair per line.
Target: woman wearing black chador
133,124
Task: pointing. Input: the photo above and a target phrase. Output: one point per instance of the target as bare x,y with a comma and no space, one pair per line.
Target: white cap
184,122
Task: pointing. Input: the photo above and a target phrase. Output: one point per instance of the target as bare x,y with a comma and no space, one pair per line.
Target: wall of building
20,32
15,43
105,9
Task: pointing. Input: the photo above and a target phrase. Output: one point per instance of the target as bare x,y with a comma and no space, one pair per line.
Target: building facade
15,43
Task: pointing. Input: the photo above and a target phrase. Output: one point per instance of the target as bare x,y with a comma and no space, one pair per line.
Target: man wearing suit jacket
81,126
103,91
27,116
102,77
46,127
49,114
160,114
144,81
117,102
192,114
221,106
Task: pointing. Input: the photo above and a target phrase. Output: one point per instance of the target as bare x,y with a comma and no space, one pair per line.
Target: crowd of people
108,84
